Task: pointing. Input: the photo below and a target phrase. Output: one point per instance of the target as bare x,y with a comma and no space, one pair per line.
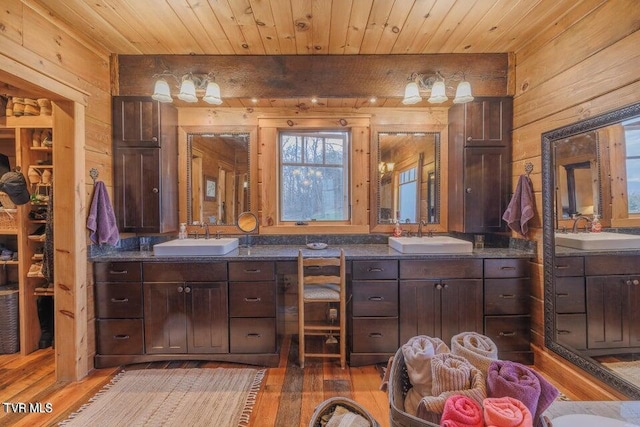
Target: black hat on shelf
15,185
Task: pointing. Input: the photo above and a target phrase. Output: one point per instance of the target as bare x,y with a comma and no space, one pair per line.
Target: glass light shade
212,95
438,94
161,91
188,91
411,94
463,93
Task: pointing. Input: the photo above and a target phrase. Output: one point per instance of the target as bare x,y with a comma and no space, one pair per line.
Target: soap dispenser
397,230
183,231
596,226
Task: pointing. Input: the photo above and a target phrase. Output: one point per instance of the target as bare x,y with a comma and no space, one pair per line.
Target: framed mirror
602,156
407,177
218,178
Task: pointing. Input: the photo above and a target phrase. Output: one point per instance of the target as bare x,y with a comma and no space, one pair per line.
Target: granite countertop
290,252
565,251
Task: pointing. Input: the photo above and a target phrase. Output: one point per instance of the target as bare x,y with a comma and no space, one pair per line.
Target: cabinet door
137,189
419,309
488,122
485,195
165,318
461,307
607,312
634,311
136,121
208,320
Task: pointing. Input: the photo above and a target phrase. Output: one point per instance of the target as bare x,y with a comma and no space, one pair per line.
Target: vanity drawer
252,335
505,268
119,336
185,272
251,271
252,299
570,295
117,271
375,335
510,333
601,265
375,270
375,298
506,296
569,266
441,269
118,300
571,330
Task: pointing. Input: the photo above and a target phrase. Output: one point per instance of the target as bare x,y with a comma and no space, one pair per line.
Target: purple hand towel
521,207
515,380
102,220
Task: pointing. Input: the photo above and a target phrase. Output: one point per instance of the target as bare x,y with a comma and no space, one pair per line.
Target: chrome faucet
206,229
574,229
420,224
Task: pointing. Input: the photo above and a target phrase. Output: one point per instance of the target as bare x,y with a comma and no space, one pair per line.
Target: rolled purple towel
513,379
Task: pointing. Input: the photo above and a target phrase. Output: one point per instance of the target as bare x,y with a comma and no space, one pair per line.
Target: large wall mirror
218,178
407,177
591,167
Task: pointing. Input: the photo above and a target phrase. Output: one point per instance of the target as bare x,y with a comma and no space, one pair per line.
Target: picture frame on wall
210,188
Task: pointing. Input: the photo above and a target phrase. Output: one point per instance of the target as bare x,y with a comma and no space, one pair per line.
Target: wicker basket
399,384
328,406
9,323
8,219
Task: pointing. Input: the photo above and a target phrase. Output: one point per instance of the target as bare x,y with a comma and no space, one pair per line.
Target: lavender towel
515,380
521,207
102,220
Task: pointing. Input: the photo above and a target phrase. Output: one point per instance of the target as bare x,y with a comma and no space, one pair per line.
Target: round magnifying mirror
247,222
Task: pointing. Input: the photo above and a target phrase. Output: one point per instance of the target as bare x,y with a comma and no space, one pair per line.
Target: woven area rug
630,371
218,397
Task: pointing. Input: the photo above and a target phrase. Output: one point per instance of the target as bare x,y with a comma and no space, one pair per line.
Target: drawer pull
507,296
254,335
376,298
118,271
119,299
256,299
507,334
375,335
506,267
562,294
121,337
562,267
375,269
252,270
563,332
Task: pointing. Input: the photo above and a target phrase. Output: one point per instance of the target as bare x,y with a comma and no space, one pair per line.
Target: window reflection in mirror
217,177
408,177
632,161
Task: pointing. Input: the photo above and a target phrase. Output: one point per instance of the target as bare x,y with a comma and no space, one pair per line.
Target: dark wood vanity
231,310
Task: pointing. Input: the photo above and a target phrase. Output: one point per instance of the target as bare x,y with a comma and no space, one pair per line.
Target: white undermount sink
430,245
598,241
196,247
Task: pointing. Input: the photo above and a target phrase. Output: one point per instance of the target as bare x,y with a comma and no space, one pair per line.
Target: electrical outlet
333,313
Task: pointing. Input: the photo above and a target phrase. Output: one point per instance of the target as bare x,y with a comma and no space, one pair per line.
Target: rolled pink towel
478,349
515,380
506,412
461,411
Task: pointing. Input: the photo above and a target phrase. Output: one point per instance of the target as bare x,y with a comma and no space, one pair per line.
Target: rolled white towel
478,349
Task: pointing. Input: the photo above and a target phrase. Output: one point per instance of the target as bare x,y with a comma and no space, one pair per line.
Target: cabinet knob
636,282
468,190
469,138
154,138
187,289
180,289
439,286
155,190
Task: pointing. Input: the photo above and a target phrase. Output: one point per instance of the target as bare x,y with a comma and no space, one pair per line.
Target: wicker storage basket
9,324
8,219
328,406
399,384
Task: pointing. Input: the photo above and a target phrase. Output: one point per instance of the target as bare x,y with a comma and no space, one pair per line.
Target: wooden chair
325,289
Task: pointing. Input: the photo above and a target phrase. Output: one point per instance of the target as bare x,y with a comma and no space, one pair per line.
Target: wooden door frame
70,236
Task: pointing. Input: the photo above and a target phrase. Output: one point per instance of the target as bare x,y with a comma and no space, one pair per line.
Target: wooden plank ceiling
314,27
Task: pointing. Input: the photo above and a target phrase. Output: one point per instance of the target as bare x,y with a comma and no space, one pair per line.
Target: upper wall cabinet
479,164
145,165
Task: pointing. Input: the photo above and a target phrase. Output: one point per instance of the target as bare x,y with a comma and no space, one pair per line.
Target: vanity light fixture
190,84
435,84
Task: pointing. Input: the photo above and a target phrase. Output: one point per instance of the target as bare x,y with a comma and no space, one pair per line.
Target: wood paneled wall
59,59
589,66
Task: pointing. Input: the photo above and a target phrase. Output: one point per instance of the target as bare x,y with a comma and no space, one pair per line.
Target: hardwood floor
288,395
